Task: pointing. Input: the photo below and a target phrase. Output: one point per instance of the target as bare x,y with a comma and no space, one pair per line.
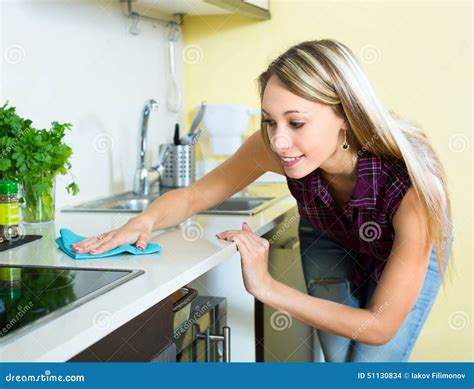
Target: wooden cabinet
256,9
146,338
167,9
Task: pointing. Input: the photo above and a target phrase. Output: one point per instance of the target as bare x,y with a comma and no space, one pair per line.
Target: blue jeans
327,267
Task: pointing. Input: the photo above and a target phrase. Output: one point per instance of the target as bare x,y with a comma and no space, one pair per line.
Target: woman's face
303,133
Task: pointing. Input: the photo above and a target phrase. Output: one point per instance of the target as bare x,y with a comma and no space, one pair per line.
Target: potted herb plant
34,157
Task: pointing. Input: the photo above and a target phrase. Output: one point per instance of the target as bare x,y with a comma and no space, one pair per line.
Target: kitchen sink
132,205
239,204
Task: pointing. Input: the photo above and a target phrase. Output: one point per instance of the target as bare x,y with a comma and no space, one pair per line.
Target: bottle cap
8,187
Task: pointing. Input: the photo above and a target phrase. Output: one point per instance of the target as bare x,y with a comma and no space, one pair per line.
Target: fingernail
93,251
140,248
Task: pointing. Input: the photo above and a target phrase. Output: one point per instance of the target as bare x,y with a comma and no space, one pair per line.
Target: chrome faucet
146,177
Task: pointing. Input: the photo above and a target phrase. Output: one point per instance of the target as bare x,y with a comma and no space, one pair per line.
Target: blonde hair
326,71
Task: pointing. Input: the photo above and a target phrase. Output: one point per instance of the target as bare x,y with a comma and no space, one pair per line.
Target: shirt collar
366,188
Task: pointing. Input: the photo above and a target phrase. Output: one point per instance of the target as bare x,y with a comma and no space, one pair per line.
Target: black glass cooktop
30,295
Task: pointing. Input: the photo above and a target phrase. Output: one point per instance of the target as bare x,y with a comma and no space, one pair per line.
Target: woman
371,194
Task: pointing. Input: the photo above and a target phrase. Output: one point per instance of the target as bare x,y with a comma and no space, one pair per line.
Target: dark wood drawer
142,339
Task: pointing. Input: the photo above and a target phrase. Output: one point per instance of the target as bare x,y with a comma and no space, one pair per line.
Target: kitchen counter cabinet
145,338
189,251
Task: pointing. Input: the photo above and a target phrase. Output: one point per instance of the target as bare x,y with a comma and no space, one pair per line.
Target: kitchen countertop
188,251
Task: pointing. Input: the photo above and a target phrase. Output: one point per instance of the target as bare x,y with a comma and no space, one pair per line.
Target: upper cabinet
168,9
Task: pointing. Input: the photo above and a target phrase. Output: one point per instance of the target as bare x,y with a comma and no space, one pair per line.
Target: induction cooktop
32,295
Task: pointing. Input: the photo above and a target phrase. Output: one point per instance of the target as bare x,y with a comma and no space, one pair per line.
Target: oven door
204,336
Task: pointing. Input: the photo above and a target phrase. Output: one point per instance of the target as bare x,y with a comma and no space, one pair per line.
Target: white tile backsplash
75,61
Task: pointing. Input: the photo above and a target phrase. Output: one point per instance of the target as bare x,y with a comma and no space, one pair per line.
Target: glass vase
38,207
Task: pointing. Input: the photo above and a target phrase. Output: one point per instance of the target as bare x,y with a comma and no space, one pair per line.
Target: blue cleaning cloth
68,238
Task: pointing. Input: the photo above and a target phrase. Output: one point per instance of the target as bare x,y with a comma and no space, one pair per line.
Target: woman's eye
297,124
269,122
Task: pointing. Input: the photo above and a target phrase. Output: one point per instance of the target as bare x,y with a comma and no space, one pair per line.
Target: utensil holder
180,166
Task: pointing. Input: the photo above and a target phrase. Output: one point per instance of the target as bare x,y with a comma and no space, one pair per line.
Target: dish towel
68,238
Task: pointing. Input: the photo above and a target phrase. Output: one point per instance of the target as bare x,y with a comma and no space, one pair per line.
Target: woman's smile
289,162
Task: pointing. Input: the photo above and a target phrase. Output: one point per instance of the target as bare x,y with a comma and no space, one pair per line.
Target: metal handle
163,156
195,137
197,119
186,139
188,295
225,338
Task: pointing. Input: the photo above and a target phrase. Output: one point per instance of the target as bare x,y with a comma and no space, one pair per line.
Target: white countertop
188,251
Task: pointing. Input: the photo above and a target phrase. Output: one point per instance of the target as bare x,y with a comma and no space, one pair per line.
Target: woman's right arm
248,163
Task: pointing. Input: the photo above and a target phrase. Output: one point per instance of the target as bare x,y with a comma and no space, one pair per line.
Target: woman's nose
281,142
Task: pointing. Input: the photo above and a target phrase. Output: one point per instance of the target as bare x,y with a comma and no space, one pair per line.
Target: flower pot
38,206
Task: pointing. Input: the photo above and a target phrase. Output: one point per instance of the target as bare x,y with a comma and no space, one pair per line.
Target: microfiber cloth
68,238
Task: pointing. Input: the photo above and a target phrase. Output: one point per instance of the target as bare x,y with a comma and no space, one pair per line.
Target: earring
345,145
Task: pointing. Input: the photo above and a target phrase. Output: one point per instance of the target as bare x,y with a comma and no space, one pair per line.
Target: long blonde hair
326,71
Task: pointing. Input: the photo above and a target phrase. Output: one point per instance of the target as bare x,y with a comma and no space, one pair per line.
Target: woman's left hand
254,253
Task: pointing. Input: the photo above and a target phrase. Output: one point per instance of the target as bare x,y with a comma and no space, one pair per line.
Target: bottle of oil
9,210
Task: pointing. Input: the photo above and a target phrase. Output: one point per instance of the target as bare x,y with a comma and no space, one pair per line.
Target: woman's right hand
136,231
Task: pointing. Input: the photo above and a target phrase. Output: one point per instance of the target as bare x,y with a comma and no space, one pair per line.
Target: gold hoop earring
345,145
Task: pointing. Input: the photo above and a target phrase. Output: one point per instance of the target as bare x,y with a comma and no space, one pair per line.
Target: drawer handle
224,337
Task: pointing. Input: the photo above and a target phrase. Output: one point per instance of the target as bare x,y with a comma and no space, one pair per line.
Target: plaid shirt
365,223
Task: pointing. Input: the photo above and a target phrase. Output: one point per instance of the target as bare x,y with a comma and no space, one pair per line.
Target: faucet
146,177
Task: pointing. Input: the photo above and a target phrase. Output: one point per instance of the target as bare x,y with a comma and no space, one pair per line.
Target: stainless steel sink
239,204
125,202
132,205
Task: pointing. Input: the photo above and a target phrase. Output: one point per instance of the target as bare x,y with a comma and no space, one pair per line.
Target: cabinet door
142,339
167,355
285,339
168,9
256,9
264,4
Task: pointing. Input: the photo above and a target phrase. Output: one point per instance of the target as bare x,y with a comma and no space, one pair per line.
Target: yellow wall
419,58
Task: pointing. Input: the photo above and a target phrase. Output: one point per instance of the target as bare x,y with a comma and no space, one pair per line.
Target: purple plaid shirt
365,223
